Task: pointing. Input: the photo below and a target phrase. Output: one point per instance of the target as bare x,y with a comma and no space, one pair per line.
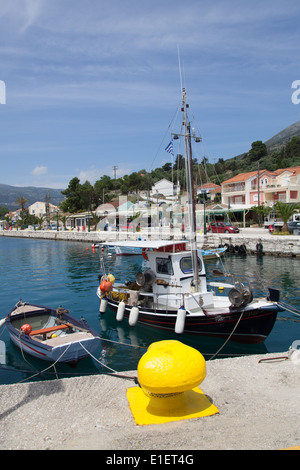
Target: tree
3,211
136,182
72,202
22,219
22,201
167,167
63,219
292,148
8,220
40,220
101,187
87,196
285,212
262,211
95,219
258,150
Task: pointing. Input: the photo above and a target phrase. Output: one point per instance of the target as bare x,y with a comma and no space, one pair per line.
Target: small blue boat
49,334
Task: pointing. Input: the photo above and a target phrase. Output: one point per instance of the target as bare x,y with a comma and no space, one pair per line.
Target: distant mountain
284,136
9,195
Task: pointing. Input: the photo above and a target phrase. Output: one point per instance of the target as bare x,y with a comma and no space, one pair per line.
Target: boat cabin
168,278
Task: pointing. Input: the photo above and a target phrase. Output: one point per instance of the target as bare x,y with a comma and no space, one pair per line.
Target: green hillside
9,195
280,151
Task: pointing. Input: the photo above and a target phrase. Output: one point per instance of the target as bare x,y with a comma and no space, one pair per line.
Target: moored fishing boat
49,334
164,296
173,293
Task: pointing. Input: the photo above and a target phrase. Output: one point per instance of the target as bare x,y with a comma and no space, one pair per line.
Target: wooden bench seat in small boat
44,331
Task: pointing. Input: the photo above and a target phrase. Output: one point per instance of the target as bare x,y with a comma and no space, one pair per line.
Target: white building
164,187
38,209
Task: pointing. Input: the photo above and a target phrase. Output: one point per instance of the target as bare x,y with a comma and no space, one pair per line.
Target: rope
294,311
228,337
24,358
44,370
123,344
115,373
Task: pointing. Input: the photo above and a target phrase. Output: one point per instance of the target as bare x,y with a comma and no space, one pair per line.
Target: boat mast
190,190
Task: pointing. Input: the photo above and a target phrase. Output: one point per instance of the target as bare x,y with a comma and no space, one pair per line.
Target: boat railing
155,301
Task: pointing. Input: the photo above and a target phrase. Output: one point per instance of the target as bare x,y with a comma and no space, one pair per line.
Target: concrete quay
277,245
257,403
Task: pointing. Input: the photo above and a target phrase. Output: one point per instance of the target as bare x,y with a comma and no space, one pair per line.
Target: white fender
133,316
180,321
103,305
120,311
2,322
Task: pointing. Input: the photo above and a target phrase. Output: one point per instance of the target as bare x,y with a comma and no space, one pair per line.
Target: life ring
145,254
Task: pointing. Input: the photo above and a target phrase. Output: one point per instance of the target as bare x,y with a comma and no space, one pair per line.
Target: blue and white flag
169,148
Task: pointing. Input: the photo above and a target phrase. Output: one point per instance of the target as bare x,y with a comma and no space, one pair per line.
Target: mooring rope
115,373
44,370
228,337
294,311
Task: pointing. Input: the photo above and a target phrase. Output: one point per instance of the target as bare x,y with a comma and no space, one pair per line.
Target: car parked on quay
222,227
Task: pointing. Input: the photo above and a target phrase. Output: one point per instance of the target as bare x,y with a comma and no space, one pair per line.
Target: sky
88,85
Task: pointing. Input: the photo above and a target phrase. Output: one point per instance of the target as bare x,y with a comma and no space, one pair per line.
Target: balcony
234,189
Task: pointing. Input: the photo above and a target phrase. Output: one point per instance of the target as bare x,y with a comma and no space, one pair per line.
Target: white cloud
39,170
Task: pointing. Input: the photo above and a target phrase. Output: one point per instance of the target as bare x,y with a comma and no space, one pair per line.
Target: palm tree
262,211
57,217
285,211
22,201
40,220
21,221
63,219
95,219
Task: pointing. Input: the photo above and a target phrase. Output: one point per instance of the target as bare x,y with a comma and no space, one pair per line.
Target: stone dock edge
276,245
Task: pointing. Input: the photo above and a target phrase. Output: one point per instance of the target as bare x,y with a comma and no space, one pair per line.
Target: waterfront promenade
257,403
277,245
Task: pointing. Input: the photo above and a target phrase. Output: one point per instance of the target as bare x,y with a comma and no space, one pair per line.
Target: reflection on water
66,274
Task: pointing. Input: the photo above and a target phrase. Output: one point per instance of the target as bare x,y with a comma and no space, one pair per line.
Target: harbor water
63,273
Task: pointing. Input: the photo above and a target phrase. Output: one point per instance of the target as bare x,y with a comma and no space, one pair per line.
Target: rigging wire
163,139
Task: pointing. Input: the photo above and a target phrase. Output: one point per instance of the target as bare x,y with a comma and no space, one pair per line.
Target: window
186,265
164,266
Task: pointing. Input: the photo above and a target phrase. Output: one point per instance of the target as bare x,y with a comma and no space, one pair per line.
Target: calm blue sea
56,273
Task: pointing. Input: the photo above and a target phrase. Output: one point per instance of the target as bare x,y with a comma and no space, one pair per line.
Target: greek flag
169,148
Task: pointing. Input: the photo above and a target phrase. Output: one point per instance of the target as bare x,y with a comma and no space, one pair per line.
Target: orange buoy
26,329
105,286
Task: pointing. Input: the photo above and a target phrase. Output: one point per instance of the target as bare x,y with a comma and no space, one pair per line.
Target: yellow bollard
169,374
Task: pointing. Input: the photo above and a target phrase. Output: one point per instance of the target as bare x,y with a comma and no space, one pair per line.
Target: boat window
186,264
164,266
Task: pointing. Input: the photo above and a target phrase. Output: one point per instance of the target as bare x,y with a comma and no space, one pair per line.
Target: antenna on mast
179,67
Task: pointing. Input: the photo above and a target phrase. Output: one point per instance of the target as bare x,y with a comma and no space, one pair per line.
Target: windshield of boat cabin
186,265
164,266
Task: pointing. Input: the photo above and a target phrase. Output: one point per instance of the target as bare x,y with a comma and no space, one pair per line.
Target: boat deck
24,308
72,337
